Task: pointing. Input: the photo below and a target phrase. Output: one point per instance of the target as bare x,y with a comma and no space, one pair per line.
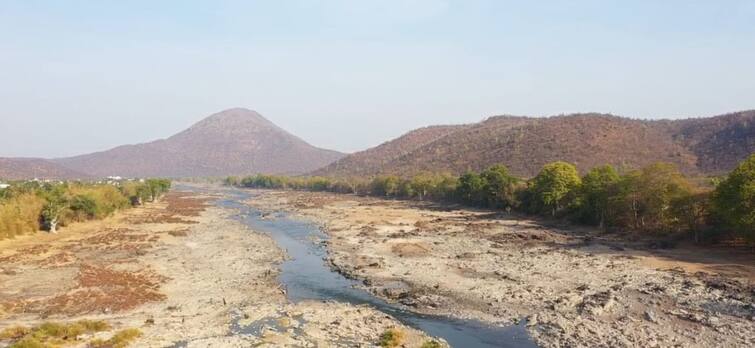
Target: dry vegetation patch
178,206
98,290
410,249
99,260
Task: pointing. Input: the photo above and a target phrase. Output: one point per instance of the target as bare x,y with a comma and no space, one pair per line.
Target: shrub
391,338
20,215
83,208
120,340
27,206
431,344
52,334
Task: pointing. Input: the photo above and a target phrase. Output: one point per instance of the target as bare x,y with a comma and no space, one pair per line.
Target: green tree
445,187
691,211
471,189
84,207
56,202
423,184
554,187
598,186
499,187
734,199
647,196
387,186
157,187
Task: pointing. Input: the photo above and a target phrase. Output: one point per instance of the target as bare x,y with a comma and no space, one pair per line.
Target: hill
28,168
232,142
372,160
698,146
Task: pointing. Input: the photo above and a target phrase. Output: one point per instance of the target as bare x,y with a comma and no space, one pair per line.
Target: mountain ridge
709,145
17,168
231,142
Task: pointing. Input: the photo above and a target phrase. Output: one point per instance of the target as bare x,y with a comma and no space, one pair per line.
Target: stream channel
306,276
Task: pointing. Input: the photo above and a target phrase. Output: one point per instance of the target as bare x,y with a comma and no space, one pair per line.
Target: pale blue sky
82,76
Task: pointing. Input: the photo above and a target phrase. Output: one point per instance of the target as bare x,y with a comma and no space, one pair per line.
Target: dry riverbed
179,271
575,288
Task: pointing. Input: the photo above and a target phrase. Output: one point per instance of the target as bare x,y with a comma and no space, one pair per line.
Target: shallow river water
306,276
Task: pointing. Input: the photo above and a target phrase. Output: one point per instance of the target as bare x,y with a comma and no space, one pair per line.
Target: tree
471,188
423,183
157,187
734,199
691,210
387,186
84,207
554,187
232,181
445,187
647,196
499,188
56,203
598,186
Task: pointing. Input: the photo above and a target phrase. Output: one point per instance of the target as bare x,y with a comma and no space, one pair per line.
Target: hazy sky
82,76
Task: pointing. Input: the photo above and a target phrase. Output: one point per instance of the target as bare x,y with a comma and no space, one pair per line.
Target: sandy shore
179,271
575,289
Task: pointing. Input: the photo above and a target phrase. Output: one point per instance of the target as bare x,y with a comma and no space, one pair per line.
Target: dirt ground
181,271
574,287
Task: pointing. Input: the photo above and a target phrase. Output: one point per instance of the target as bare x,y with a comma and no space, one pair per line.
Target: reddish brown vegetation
524,144
27,168
109,279
235,141
372,160
179,205
102,289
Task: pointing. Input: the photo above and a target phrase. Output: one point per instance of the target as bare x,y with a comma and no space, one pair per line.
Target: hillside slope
28,168
372,160
719,143
235,141
706,145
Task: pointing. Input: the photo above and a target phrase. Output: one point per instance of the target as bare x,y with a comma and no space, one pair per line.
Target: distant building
115,178
3,185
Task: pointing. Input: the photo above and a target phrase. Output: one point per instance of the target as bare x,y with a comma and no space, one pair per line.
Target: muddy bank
573,290
181,271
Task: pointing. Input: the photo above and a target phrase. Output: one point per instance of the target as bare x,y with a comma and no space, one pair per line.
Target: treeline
655,199
30,206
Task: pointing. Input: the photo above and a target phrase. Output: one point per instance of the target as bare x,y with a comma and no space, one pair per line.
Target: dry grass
120,340
51,334
20,215
99,289
179,206
392,338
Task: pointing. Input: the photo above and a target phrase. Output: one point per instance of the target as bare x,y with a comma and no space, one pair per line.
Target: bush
431,344
51,334
20,215
27,206
120,340
391,338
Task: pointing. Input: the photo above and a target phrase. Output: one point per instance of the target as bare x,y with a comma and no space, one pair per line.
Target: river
306,276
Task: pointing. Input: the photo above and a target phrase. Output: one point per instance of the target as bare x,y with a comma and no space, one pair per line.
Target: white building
4,185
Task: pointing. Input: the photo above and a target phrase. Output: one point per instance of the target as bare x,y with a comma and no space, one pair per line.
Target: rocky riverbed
182,272
573,286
